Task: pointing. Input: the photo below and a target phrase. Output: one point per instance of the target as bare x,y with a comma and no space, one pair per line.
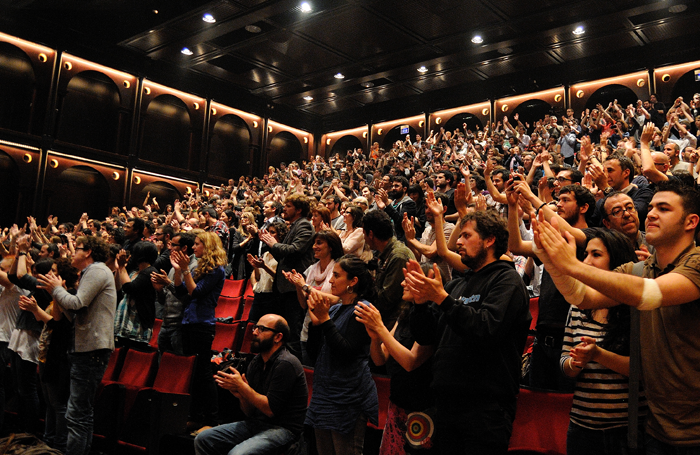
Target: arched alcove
17,86
9,188
164,192
229,147
78,189
284,147
529,112
344,144
609,93
394,135
89,112
686,86
166,132
458,120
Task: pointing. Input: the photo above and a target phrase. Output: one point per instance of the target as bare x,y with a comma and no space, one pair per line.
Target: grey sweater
93,308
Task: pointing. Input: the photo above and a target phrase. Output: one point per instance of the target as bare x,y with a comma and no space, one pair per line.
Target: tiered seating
233,288
247,337
225,336
248,290
229,307
247,305
541,422
157,324
383,391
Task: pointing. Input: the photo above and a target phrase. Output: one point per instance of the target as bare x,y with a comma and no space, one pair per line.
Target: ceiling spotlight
367,84
305,7
309,98
253,28
208,18
155,11
422,69
186,51
477,39
339,76
579,31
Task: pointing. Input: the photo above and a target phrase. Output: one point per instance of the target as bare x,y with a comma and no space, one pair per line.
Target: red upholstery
224,337
233,288
174,373
114,366
229,307
156,330
248,290
247,337
139,368
247,305
534,311
383,390
309,373
541,422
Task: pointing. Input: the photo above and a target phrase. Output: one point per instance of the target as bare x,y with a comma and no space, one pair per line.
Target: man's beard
396,195
475,262
258,346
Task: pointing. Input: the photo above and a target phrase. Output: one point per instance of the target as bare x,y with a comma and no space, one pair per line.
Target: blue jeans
656,447
170,339
87,369
247,437
584,441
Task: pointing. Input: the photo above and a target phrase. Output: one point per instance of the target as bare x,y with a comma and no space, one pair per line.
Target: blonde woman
204,286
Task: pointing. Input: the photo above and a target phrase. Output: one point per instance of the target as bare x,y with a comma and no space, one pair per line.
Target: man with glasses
163,235
272,394
170,304
569,176
616,174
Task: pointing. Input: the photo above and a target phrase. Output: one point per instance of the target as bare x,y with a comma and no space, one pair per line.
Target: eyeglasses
563,179
80,248
174,244
619,211
262,328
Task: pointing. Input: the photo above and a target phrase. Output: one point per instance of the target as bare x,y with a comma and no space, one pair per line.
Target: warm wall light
306,140
364,134
43,58
127,84
53,163
147,90
579,94
196,106
68,66
255,124
485,111
640,82
206,192
269,129
137,180
189,190
557,98
504,108
421,123
379,132
115,175
27,158
666,77
438,120
213,111
328,141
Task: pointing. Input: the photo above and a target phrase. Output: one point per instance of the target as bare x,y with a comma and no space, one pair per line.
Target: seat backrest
139,368
247,305
114,365
534,311
224,337
233,288
229,307
248,289
309,373
247,337
541,421
174,373
154,335
383,392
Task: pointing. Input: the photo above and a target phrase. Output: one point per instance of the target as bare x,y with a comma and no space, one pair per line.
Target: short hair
144,252
335,198
690,197
67,272
333,241
43,266
167,230
604,214
139,224
505,175
379,223
277,206
583,196
186,241
488,223
449,176
443,197
210,210
300,202
282,228
576,175
625,163
97,224
323,212
402,180
99,250
282,327
52,249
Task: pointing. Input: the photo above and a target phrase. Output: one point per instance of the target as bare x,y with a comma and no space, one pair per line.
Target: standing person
204,287
9,311
407,363
479,324
170,335
596,353
263,276
668,297
353,237
344,395
92,309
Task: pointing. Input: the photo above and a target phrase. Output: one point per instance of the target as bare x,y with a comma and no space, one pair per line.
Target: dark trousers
27,379
544,364
197,340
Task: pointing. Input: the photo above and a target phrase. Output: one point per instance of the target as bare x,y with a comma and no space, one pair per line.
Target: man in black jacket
399,204
479,324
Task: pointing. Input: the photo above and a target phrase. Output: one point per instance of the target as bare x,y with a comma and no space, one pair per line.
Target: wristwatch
608,190
305,288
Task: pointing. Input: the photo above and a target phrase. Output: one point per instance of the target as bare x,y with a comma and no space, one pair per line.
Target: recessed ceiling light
422,69
208,18
186,51
579,31
308,98
477,39
679,8
253,28
305,7
367,84
155,11
339,76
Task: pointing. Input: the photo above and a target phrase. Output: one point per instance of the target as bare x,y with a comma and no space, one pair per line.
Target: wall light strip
103,69
19,146
390,123
86,160
472,107
528,96
172,91
608,80
359,129
168,177
689,65
22,43
287,128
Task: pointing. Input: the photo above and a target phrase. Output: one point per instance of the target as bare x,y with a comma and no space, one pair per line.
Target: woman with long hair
243,244
344,394
204,286
596,352
353,237
263,276
407,363
320,218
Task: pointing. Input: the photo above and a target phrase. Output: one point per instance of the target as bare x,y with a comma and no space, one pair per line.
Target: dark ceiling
377,44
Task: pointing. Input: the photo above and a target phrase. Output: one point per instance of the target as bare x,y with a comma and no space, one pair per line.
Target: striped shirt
601,395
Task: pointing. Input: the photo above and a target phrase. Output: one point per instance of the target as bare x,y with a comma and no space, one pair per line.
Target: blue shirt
200,310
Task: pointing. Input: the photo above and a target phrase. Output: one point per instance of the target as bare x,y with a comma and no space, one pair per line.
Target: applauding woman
204,287
344,395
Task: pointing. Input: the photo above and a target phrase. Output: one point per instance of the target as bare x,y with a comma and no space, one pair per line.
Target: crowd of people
421,259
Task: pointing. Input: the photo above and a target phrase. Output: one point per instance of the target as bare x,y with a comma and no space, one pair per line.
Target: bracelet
537,212
186,272
22,253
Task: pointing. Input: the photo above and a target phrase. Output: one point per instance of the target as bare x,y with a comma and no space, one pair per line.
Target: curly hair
98,247
214,255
